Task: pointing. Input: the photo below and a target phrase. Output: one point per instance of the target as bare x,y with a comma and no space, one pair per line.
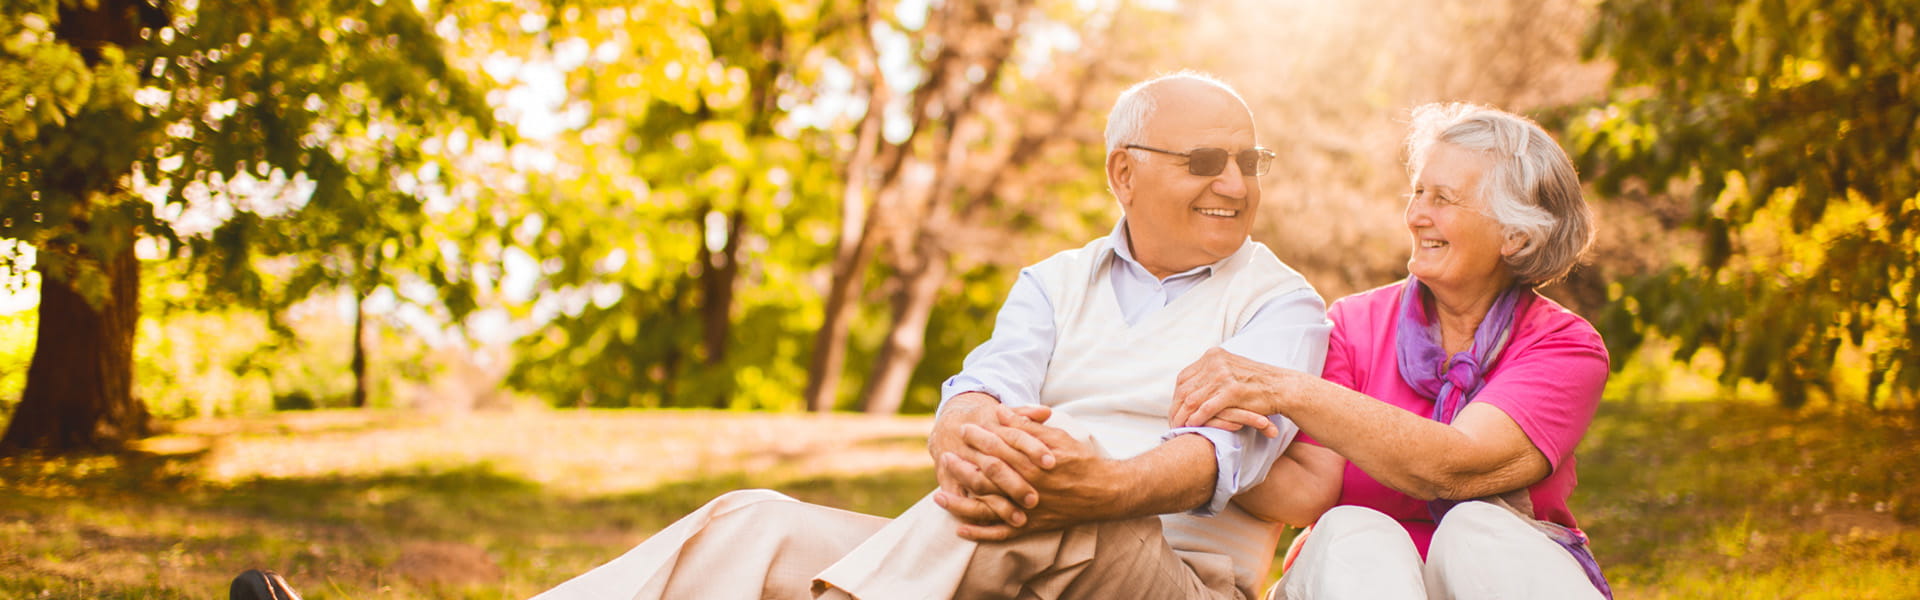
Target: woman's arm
1483,452
1303,484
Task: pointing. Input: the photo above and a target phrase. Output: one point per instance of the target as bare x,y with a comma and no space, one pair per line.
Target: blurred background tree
131,123
1783,132
676,205
754,153
772,204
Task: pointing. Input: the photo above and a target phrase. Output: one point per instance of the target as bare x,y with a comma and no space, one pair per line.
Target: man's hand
1081,487
985,461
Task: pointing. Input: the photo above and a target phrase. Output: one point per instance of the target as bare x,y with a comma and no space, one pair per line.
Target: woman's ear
1516,242
1120,176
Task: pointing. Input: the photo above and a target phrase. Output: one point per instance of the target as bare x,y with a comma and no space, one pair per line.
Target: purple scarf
1426,367
1424,364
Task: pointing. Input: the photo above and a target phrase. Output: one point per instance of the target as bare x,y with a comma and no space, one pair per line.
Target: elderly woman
1457,396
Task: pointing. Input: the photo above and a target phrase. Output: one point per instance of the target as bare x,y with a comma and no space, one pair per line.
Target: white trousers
1480,551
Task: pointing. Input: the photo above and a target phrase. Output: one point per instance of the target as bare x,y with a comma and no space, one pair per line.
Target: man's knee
764,514
739,498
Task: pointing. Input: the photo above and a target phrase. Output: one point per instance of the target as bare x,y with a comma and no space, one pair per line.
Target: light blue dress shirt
1289,331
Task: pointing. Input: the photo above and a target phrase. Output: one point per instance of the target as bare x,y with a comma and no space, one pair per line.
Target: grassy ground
1704,500
1715,500
394,505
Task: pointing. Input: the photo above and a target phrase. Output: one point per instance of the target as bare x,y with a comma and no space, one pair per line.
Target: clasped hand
1004,473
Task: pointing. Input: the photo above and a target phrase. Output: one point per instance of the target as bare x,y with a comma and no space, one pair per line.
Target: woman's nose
1416,212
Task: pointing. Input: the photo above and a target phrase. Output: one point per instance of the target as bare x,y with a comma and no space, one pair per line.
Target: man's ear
1120,175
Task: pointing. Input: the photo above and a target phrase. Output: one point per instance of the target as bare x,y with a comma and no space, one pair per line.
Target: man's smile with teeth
1218,212
1432,243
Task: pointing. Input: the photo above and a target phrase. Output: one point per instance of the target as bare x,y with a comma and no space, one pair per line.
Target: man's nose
1231,182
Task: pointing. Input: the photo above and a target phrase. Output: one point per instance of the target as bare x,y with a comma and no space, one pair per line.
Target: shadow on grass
143,527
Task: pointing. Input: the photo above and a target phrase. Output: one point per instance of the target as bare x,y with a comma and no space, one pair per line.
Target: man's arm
1011,364
1003,372
1289,331
1198,473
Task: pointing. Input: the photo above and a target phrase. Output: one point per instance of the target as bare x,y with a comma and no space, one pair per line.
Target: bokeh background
337,267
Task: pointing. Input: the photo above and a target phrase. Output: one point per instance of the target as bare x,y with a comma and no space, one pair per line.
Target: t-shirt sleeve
1340,364
1551,387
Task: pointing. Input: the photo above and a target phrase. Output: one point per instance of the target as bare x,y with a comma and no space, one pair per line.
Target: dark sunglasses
1208,162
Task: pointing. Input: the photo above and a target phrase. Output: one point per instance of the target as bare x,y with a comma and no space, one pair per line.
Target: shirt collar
1123,247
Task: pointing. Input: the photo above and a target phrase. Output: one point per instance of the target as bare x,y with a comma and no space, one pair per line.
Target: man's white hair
1127,123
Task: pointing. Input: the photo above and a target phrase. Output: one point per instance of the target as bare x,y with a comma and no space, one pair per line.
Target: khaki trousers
754,544
1479,551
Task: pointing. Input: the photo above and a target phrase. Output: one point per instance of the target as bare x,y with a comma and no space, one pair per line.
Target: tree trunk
830,344
907,334
359,349
851,254
718,273
79,390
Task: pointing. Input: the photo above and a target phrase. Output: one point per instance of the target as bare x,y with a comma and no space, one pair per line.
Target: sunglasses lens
1254,161
1206,162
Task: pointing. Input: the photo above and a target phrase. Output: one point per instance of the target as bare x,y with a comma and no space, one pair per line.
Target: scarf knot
1464,373
1450,381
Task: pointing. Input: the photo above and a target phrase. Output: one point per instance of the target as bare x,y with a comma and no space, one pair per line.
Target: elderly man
1059,476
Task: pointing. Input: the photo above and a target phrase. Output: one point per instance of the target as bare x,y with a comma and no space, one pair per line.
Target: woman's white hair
1127,123
1531,188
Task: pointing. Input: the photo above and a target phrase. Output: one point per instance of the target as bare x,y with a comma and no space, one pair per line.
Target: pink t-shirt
1548,380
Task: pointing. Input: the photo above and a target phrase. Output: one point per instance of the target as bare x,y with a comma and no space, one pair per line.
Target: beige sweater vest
1117,380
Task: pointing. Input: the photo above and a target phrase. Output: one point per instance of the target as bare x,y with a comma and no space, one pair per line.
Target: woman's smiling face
1456,244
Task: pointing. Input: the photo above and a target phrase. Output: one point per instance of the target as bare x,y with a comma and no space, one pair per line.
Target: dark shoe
256,584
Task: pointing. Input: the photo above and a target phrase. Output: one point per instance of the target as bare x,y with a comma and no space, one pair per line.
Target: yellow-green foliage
16,352
196,364
1787,125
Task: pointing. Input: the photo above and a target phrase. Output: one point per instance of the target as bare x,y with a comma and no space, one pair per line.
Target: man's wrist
1175,477
965,402
958,410
1227,454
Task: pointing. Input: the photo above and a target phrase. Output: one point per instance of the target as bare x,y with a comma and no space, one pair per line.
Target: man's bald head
1127,123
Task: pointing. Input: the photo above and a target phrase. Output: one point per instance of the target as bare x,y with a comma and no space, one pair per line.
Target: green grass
1695,500
352,526
1731,500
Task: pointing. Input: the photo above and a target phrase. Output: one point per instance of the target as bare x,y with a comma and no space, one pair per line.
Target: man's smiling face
1177,220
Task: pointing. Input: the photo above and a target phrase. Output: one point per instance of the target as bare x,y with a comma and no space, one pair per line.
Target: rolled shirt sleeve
1012,364
1289,332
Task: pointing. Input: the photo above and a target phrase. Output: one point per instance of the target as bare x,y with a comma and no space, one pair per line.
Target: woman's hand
1228,391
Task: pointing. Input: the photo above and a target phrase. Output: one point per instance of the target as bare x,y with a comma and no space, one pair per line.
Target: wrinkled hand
1077,489
981,457
1228,391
